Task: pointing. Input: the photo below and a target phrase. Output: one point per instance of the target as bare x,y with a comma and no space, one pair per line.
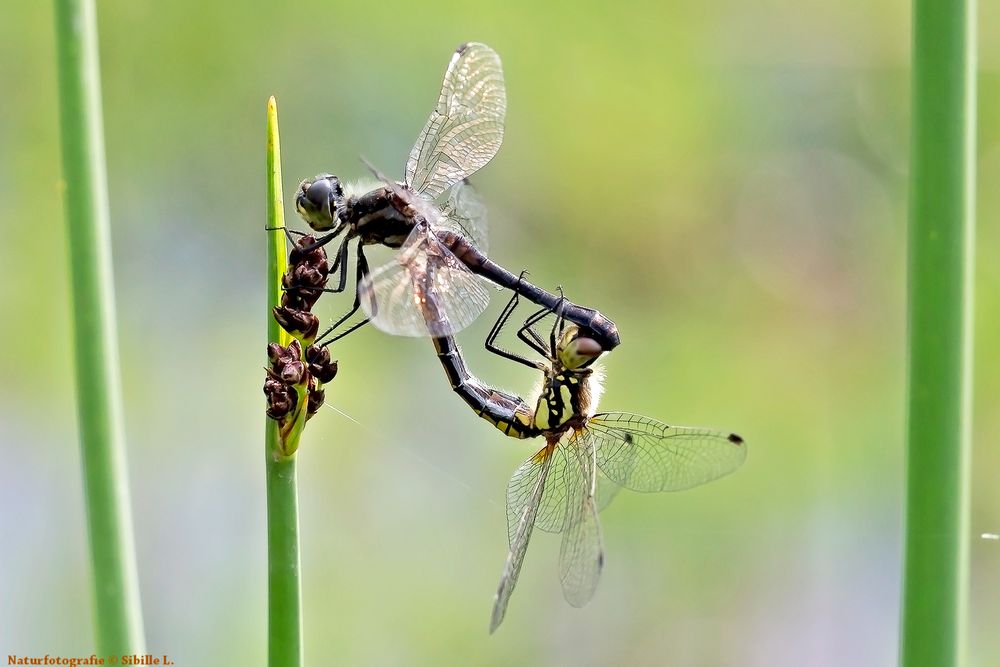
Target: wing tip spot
735,439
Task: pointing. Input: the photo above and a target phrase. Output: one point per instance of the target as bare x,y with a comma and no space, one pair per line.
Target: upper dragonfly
434,217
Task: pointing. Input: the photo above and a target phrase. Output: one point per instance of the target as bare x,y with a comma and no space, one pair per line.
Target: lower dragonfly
587,456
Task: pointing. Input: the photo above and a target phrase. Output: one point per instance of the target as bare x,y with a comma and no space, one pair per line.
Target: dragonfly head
316,201
576,351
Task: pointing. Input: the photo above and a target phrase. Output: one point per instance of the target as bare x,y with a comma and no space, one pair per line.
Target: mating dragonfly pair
434,286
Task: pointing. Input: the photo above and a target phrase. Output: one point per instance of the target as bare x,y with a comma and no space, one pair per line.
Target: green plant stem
118,613
284,593
940,325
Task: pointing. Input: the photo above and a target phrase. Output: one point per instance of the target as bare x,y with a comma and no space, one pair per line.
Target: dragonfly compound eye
579,351
317,201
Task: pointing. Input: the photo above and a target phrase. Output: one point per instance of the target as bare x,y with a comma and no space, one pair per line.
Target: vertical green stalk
940,327
284,594
118,612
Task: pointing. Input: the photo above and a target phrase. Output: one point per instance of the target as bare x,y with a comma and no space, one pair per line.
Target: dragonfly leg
339,263
498,326
362,271
530,337
322,241
288,232
533,339
344,333
558,324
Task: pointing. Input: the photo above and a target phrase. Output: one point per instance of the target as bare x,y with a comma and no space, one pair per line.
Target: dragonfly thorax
568,390
566,399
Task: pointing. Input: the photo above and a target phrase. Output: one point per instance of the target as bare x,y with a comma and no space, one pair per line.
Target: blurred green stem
940,325
118,613
284,594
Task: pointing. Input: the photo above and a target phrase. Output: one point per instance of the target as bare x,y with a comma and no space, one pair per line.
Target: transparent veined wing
531,476
606,490
646,455
465,213
424,290
554,513
465,129
581,554
550,514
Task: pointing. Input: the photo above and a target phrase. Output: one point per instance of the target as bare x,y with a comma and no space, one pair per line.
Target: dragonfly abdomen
505,411
598,326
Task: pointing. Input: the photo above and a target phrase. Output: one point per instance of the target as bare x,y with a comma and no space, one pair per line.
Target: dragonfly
587,456
434,217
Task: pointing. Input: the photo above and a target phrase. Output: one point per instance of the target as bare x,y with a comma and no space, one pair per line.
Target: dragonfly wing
550,513
465,129
465,213
529,477
581,554
646,455
606,490
423,291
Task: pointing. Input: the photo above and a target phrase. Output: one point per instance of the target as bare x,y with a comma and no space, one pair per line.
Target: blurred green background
726,180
